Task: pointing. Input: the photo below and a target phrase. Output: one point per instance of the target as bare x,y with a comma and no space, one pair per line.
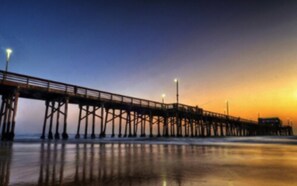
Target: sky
241,51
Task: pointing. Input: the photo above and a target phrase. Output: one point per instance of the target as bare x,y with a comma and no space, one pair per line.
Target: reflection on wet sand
113,164
5,159
144,164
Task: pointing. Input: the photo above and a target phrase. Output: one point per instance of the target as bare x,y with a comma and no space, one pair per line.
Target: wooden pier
124,116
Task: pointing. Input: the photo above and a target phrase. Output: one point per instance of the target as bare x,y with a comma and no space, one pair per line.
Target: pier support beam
128,123
113,123
102,124
172,127
120,124
166,126
8,112
64,134
57,135
142,127
51,110
151,124
129,120
135,124
84,112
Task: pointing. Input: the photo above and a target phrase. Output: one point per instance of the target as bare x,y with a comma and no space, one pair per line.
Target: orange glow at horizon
254,84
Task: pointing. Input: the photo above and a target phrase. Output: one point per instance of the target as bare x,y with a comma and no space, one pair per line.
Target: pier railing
25,81
73,90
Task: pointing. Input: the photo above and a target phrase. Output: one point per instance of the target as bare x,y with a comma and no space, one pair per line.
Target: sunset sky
241,51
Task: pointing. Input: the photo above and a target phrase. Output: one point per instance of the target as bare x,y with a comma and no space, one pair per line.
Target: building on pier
273,121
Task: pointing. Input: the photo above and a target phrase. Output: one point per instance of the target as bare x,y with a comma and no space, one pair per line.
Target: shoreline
280,140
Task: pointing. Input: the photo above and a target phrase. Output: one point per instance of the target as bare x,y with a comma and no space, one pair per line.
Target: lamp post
8,54
176,81
178,121
227,107
163,97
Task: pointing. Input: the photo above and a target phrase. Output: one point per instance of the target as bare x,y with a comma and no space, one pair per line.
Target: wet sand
209,161
286,140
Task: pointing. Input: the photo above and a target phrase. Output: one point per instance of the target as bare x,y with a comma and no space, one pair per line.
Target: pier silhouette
134,116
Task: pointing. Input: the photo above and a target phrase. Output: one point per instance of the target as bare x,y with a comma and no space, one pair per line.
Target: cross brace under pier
53,111
8,112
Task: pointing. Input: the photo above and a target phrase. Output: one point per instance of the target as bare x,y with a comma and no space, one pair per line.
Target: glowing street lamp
176,81
8,54
163,97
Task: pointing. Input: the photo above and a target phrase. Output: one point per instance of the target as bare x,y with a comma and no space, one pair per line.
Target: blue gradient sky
241,51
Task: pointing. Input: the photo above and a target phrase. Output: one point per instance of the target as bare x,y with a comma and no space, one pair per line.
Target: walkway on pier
134,116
